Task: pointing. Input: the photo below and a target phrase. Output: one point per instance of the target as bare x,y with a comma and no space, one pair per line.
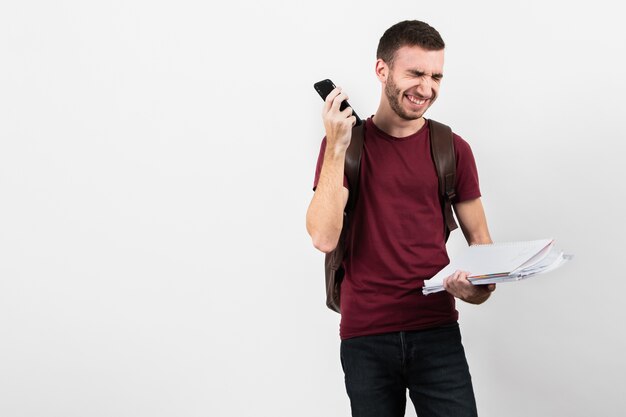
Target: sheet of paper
501,262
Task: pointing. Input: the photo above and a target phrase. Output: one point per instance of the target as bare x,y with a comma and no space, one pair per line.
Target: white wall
156,163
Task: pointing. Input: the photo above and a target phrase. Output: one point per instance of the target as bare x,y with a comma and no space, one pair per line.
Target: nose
425,87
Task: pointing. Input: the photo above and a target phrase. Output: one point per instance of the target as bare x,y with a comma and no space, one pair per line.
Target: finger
328,102
450,279
338,100
458,275
347,112
491,287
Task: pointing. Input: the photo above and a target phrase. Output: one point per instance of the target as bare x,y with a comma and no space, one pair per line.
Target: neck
389,122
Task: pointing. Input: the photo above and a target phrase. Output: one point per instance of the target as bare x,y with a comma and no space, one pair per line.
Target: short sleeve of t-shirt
467,186
318,168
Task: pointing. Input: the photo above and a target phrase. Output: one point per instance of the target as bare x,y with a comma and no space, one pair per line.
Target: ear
382,70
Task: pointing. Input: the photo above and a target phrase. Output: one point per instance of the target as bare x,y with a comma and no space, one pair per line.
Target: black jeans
429,363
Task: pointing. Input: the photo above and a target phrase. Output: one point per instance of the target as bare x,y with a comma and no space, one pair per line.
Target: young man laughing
393,338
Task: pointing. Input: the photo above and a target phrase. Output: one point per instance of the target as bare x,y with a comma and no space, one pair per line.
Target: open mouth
416,100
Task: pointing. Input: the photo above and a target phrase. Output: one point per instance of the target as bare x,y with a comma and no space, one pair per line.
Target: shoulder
459,141
461,146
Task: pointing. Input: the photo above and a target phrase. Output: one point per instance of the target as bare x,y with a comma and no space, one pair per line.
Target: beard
394,96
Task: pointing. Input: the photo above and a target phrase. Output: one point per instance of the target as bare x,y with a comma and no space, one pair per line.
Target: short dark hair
408,33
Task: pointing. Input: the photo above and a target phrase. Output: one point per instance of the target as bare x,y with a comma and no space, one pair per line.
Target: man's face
412,84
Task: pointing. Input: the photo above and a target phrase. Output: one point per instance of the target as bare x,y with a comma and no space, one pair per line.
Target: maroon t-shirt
396,239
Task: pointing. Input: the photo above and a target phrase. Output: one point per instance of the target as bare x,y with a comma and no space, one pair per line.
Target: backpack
442,151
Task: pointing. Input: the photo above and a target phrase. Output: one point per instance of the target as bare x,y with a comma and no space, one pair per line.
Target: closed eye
437,77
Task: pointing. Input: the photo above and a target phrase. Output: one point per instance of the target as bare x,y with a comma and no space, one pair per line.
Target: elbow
324,245
324,236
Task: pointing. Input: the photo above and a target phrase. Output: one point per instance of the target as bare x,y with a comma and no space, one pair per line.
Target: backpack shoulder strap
442,149
353,163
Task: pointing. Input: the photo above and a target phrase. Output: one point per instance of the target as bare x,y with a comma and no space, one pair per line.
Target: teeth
416,101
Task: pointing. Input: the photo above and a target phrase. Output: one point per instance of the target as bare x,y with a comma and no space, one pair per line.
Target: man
393,337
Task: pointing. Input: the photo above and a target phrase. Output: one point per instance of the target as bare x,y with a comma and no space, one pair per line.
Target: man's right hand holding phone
326,212
338,123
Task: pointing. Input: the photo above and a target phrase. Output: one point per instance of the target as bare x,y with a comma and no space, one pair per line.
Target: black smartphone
324,88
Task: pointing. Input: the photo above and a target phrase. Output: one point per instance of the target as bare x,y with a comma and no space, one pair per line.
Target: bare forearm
480,240
324,218
473,221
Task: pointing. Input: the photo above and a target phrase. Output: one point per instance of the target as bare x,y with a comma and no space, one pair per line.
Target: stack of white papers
501,262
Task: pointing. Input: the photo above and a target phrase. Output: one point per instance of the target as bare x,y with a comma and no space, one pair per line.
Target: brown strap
442,148
353,163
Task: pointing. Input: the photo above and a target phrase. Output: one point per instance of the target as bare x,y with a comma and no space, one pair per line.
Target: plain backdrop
156,164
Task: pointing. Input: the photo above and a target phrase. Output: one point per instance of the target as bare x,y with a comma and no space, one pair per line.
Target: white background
156,164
